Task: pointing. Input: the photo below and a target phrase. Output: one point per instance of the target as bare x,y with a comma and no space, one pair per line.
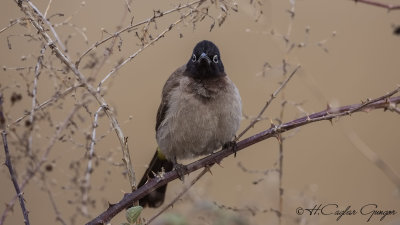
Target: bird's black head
205,61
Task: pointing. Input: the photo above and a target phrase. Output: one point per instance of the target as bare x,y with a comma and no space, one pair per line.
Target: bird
200,112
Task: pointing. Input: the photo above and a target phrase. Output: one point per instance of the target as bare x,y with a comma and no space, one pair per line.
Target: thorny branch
162,34
9,164
110,114
329,114
132,26
47,103
42,160
34,97
42,18
14,179
50,38
379,4
89,169
272,97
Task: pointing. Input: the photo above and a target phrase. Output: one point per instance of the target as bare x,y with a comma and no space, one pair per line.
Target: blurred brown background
321,164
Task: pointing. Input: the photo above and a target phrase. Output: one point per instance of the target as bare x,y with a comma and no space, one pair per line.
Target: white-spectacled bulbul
200,112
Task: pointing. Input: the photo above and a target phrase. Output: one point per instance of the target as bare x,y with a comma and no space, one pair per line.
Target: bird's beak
203,57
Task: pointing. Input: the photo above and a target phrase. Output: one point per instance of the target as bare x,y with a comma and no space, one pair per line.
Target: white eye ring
194,58
215,59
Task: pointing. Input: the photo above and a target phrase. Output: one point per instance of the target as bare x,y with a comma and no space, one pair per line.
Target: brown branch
12,23
38,68
161,35
65,60
9,164
32,172
130,27
14,179
379,4
272,97
89,169
382,102
47,103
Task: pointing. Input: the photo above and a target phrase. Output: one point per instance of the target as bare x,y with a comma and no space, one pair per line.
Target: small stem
273,96
179,195
14,178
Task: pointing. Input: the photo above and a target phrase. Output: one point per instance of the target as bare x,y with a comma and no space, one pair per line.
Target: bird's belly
196,128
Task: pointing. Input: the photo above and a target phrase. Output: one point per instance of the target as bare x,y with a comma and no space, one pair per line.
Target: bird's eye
194,58
215,59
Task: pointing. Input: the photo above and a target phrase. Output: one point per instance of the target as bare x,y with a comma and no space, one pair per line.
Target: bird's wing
172,82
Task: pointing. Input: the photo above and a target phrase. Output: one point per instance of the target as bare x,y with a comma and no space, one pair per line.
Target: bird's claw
181,170
232,145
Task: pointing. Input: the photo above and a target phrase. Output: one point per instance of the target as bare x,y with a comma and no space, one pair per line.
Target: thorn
208,168
110,205
328,107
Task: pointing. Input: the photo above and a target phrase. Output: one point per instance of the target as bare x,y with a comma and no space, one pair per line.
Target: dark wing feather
172,82
156,197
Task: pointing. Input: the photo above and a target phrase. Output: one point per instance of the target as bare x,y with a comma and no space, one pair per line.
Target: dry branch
14,178
382,102
162,34
8,163
272,97
132,26
27,10
42,160
47,103
379,4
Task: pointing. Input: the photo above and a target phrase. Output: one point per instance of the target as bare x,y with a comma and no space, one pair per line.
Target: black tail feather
155,198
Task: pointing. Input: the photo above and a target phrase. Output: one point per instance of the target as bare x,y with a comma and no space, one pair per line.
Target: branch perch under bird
383,102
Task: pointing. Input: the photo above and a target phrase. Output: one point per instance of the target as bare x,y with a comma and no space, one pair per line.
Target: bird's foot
181,170
232,145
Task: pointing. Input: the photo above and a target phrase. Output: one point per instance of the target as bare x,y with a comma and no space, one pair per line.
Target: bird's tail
156,197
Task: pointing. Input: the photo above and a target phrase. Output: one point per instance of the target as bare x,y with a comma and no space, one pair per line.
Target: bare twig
34,97
53,204
47,8
272,97
14,178
48,102
12,23
328,114
89,169
162,34
2,117
42,18
179,196
31,173
130,27
9,164
110,114
378,4
374,158
280,168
